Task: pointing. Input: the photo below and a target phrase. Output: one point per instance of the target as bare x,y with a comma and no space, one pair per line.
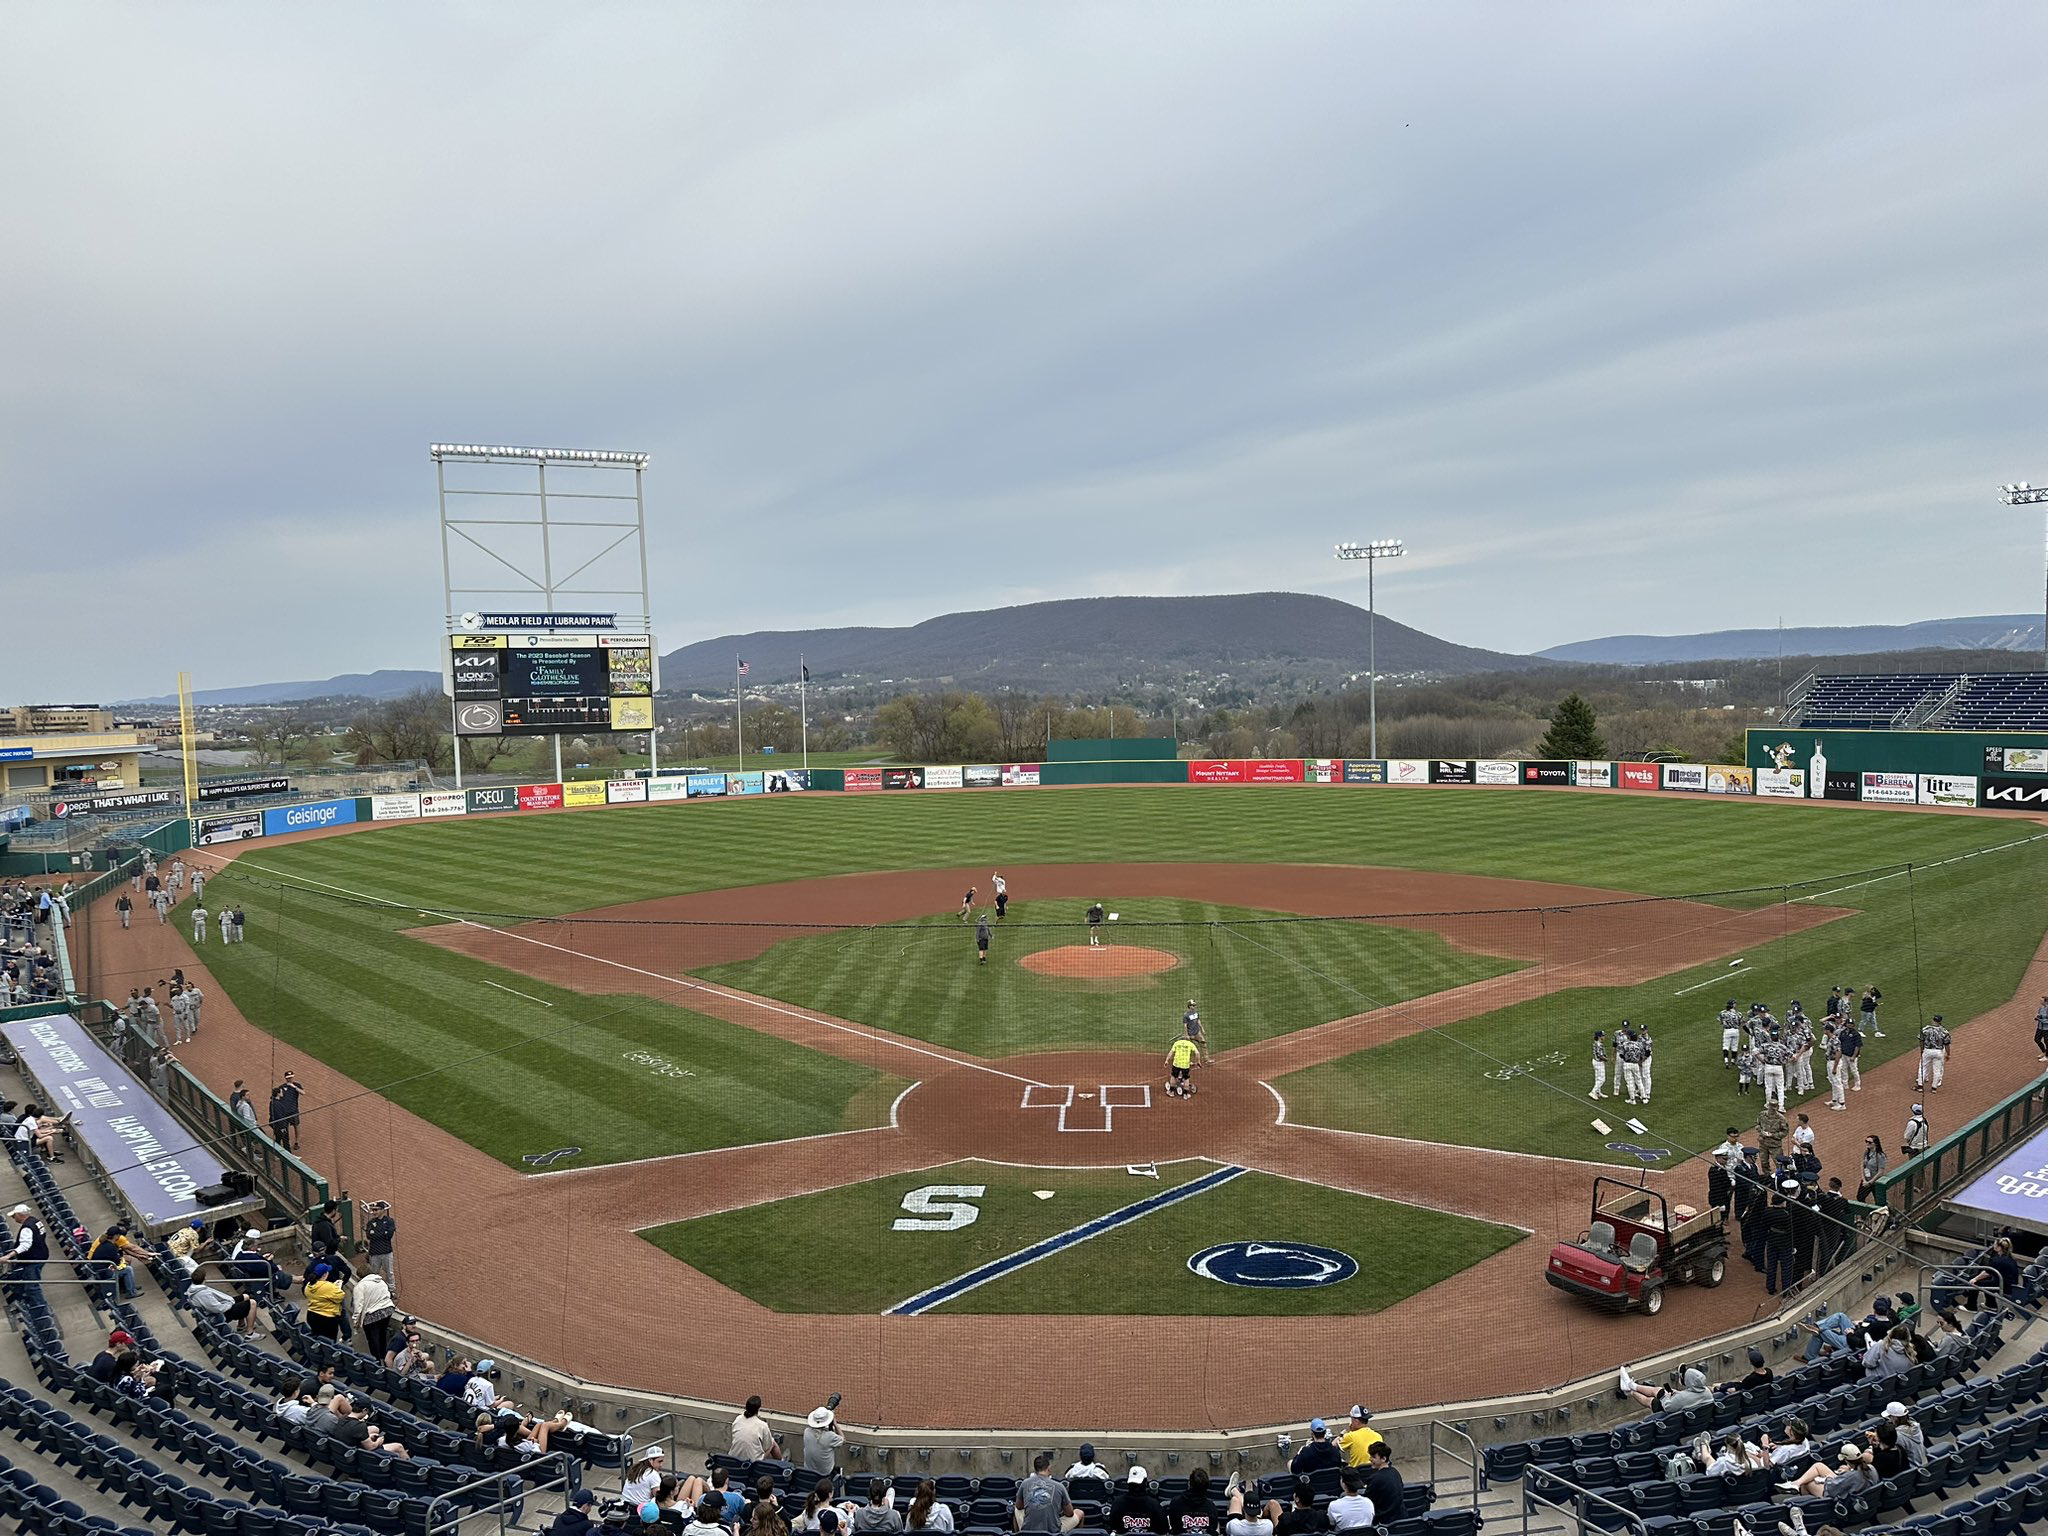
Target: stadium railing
1914,1187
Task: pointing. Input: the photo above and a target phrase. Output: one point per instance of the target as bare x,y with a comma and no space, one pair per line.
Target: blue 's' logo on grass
1640,1154
1273,1266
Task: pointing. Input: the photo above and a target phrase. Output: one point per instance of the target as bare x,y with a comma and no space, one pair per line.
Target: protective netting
967,1192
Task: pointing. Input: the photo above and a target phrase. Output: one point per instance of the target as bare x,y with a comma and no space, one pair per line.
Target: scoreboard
540,684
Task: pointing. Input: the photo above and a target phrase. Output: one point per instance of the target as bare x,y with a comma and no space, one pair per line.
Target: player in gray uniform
1935,1044
1773,1057
1631,1053
1599,1063
1731,1034
1799,1041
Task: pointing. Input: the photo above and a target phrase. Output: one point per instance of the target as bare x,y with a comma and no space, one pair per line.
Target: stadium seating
1994,701
1868,701
1981,701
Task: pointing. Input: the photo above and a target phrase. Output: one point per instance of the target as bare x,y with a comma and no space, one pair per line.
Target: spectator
1193,1511
1691,1394
706,1521
455,1380
245,1110
324,1232
575,1520
765,1518
1085,1465
373,1312
296,1404
1795,1444
822,1441
1352,1510
1873,1167
1912,1438
323,1303
1830,1332
408,1356
1358,1440
1889,1356
926,1512
481,1390
1849,1477
752,1439
1760,1374
1382,1483
1320,1452
1042,1503
1949,1338
878,1516
1240,1518
1302,1517
731,1501
1135,1511
645,1475
817,1505
1887,1457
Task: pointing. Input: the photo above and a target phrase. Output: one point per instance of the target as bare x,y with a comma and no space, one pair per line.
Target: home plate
1043,1194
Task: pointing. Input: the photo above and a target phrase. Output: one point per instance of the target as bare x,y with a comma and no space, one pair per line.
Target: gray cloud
1626,318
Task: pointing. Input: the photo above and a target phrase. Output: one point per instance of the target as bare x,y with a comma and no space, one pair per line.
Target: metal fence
1914,1187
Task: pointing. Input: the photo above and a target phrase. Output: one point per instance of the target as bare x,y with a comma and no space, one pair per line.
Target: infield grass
838,1252
1252,980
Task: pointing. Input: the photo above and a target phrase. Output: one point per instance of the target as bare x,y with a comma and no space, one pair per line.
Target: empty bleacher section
1940,701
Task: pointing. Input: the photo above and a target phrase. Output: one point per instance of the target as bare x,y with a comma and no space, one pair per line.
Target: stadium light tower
1372,553
2025,495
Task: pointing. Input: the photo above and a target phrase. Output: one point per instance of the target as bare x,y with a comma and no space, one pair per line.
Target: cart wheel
1653,1299
1715,1272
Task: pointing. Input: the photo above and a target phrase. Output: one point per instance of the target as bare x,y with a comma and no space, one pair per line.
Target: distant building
55,719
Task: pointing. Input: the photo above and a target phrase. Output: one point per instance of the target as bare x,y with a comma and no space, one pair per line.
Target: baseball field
566,992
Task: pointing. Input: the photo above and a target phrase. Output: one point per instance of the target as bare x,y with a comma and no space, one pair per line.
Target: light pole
1372,553
2025,495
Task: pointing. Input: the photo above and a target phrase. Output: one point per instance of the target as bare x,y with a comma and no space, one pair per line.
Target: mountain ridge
1987,632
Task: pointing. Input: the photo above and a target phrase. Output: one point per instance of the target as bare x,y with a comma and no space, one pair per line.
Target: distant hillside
1998,632
1089,643
387,684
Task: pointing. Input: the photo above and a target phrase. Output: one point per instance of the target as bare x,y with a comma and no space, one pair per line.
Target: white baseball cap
1136,1475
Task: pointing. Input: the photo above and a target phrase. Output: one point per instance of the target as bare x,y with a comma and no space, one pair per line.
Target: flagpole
803,705
739,721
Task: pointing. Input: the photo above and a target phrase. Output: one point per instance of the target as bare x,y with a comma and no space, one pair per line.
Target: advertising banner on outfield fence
1687,776
230,789
1323,770
1215,770
1496,771
100,805
981,776
1725,780
903,778
1637,775
1841,786
786,781
668,789
208,830
2015,760
1593,775
1891,788
444,802
1407,770
1273,770
540,797
1946,789
945,777
2006,794
498,797
750,783
1365,770
625,791
863,779
1449,770
151,1158
1781,783
1547,772
394,807
280,819
583,792
702,786
1015,774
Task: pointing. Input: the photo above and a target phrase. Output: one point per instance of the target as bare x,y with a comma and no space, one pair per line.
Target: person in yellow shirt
323,1303
1357,1442
1181,1057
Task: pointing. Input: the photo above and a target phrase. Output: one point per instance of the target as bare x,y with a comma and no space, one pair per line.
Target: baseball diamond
758,1035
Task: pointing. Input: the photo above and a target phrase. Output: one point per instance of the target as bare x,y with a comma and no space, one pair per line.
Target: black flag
807,674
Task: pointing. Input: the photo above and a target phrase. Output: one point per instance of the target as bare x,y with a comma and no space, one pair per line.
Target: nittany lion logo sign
1273,1266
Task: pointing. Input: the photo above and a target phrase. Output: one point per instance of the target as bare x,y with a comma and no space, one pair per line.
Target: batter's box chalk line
1078,1112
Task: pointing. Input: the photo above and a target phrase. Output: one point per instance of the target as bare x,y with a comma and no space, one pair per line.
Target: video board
542,684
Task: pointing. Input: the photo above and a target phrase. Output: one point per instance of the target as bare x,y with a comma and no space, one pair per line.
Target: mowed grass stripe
1664,845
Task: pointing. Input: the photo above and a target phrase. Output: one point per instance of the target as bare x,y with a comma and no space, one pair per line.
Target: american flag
743,669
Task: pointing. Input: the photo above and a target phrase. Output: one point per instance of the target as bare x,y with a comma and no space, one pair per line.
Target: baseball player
1773,1057
1002,890
1649,1059
1935,1044
1095,923
967,905
1630,1052
1731,1034
1838,1068
1599,1063
1799,1041
1191,1026
1181,1057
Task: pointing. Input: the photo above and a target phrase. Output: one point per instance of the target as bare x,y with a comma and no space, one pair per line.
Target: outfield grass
1953,940
521,1070
1251,981
793,1256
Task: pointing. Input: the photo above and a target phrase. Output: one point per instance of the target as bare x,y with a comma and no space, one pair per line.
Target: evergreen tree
1574,731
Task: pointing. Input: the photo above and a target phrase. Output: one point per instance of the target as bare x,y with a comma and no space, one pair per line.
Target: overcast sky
1632,317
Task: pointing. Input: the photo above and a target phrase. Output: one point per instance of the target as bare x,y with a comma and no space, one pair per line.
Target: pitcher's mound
1099,961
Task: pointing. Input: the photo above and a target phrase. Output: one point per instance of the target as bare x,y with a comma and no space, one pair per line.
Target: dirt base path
577,1289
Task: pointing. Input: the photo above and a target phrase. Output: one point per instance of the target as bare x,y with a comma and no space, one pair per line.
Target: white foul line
675,981
515,992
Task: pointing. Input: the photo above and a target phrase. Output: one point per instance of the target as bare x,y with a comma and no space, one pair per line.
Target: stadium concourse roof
2012,1191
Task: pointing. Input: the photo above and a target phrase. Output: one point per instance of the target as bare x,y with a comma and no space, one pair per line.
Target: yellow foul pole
185,733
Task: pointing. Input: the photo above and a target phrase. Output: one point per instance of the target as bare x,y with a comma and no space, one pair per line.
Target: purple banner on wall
135,1140
2015,1188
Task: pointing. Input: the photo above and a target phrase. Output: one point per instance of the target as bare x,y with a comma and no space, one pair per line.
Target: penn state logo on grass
1273,1266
